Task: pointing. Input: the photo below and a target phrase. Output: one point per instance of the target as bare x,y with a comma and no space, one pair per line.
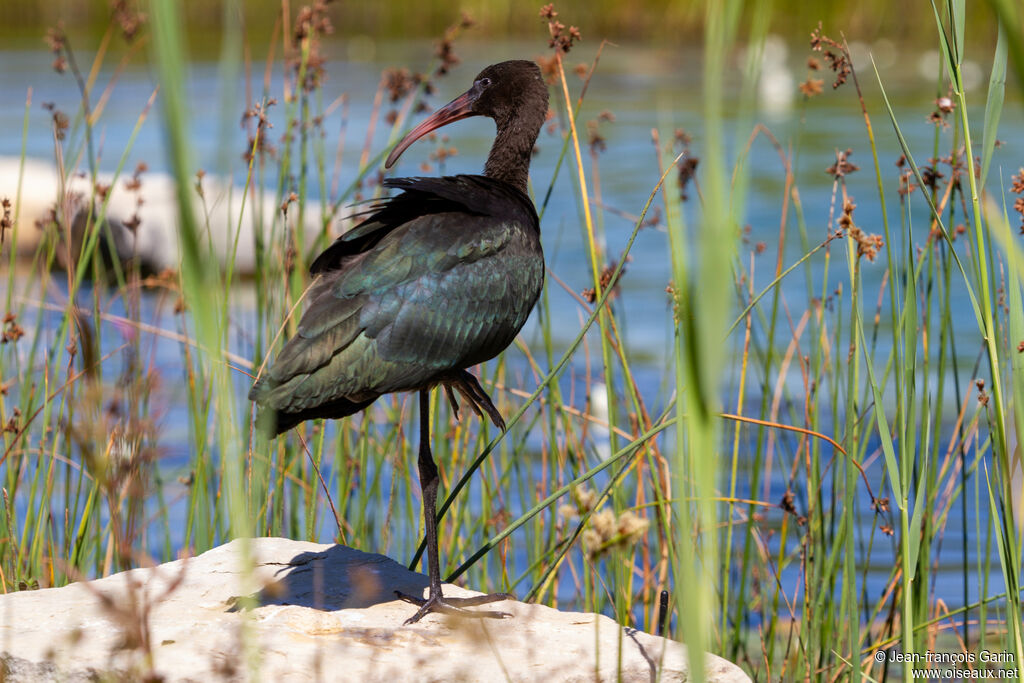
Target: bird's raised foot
468,385
455,606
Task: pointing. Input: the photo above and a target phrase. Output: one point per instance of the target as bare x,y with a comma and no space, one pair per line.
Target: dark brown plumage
436,279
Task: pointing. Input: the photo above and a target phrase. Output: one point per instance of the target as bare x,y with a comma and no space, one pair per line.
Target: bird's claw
453,402
455,606
466,384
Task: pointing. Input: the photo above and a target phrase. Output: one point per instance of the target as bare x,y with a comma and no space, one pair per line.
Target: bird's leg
429,480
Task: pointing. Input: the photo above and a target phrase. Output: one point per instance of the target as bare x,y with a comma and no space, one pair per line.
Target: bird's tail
274,421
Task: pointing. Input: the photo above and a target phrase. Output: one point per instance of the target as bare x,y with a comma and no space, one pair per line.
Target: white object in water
155,241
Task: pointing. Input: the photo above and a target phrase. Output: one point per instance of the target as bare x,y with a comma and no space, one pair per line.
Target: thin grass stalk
1008,545
981,250
849,487
593,251
699,353
197,283
767,358
557,369
9,526
629,450
740,182
854,641
1009,517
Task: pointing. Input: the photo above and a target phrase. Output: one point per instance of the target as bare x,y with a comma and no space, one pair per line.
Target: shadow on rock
338,578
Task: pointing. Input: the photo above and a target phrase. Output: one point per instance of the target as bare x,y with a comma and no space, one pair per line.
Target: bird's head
505,92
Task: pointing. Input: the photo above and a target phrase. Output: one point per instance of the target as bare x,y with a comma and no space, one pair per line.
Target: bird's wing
473,195
438,292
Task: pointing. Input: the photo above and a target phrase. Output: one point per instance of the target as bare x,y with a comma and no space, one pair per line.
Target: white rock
219,216
324,613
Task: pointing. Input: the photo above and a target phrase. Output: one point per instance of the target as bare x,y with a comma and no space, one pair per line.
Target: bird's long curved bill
459,108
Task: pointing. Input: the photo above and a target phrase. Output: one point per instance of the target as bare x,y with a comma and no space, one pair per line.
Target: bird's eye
484,82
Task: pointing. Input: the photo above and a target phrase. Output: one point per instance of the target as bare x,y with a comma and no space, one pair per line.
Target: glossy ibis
436,279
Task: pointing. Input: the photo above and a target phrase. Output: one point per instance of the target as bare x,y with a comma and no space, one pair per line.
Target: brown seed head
812,87
843,166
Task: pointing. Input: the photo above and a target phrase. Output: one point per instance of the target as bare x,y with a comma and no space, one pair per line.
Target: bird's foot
467,385
455,606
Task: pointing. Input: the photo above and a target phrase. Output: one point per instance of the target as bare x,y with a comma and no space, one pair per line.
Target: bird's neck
509,159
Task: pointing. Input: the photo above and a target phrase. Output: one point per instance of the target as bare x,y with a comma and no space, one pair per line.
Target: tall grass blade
994,102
